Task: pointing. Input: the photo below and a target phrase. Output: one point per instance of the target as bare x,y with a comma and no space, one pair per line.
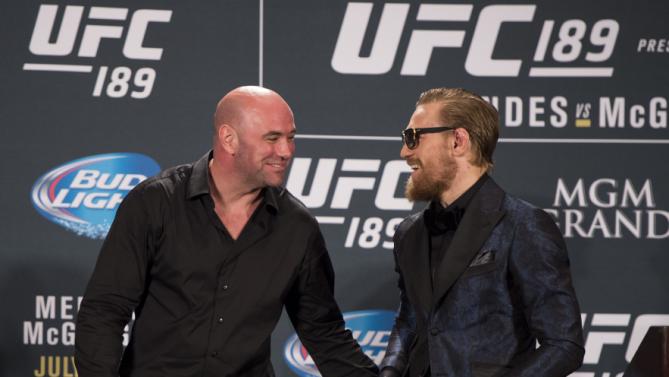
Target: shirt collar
198,183
463,200
440,220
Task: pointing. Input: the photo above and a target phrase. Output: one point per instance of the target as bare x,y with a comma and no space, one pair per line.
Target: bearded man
483,276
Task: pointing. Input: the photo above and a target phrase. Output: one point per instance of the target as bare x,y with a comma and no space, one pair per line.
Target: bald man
207,255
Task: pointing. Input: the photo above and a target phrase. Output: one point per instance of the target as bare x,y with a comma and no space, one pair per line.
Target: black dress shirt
206,304
442,222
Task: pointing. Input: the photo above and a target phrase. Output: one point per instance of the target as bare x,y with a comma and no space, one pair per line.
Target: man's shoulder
517,204
513,205
409,222
527,216
520,208
167,182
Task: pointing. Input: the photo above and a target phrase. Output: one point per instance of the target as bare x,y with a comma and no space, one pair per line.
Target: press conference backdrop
97,96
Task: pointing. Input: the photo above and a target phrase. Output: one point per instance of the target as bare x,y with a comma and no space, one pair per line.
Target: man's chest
199,259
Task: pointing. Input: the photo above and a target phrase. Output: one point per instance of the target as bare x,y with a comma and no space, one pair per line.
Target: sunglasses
410,136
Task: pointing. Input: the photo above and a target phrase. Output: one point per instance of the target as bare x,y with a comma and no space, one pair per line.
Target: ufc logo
346,185
93,34
559,45
479,62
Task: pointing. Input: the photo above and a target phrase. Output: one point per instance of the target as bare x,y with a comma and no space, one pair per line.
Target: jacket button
434,331
225,287
220,319
214,354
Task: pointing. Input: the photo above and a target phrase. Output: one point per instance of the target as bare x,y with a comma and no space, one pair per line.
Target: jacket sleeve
539,266
404,330
318,321
113,292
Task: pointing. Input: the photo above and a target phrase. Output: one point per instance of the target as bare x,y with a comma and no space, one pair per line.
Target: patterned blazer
503,285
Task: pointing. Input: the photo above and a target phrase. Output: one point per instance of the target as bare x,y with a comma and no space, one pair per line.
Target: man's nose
405,152
285,148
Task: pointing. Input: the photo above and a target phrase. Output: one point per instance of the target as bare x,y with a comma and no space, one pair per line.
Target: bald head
245,101
253,137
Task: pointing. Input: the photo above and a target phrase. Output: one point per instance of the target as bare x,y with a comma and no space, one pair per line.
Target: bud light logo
371,328
83,195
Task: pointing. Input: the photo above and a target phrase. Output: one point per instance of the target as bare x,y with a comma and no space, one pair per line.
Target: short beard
431,187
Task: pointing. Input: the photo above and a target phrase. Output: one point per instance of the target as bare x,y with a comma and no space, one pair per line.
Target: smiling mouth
278,165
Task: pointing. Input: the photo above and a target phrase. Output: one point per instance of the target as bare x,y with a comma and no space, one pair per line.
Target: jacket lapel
417,263
481,216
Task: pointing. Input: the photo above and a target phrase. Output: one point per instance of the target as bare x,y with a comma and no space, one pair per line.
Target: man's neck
230,192
463,180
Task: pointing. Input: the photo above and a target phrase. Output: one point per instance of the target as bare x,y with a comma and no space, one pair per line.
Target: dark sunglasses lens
409,138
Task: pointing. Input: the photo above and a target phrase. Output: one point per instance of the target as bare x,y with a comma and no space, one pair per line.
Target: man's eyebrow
277,133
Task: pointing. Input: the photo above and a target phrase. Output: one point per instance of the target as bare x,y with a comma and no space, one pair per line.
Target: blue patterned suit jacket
503,284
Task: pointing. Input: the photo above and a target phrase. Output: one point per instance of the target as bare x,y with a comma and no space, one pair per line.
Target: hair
464,109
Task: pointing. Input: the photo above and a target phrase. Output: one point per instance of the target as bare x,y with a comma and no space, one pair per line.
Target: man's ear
228,138
461,141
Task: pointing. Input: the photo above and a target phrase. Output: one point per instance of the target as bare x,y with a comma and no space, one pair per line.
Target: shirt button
225,287
220,319
434,331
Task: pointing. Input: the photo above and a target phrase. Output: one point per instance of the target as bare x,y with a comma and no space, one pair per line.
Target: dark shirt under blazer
503,284
206,304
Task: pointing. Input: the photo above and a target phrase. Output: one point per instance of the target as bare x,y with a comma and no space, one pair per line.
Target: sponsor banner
371,329
553,71
612,336
581,88
609,208
336,188
82,195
